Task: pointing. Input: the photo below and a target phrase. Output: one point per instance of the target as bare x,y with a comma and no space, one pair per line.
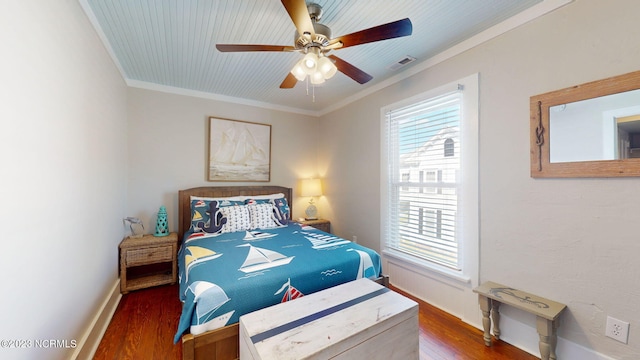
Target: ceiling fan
314,40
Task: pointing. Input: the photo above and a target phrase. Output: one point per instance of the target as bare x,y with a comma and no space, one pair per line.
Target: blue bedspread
228,275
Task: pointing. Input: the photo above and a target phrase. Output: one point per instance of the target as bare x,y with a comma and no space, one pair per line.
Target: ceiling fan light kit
314,40
319,68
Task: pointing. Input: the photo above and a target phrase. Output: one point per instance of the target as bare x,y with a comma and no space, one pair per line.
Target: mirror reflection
602,128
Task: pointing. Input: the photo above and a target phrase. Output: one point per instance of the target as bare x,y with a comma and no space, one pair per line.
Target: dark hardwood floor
144,324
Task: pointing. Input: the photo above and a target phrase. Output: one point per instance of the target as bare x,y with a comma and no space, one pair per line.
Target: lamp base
311,212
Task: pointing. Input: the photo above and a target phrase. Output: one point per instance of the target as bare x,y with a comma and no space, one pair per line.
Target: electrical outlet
617,329
355,239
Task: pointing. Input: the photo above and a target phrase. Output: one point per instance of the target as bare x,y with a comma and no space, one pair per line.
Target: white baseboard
525,337
88,343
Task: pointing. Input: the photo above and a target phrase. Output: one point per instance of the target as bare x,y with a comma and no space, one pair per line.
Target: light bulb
309,63
326,67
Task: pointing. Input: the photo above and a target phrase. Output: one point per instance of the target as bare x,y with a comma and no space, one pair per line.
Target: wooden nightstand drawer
149,255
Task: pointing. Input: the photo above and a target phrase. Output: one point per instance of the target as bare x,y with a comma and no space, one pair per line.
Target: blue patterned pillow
201,210
281,208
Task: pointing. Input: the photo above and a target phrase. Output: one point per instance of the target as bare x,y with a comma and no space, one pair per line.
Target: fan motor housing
323,32
323,35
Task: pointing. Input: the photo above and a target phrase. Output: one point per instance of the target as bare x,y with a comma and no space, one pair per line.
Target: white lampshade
317,78
310,187
327,67
298,71
310,63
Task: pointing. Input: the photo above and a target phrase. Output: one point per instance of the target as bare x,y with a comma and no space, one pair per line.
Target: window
449,147
430,178
405,179
430,216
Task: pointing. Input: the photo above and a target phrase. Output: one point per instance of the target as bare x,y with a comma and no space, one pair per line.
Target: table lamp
311,188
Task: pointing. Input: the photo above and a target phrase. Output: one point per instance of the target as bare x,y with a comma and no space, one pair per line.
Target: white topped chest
357,320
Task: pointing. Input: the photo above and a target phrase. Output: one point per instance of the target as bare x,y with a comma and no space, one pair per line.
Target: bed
230,264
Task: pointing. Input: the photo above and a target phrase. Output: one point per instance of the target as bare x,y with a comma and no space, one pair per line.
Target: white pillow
238,218
262,216
230,198
265,197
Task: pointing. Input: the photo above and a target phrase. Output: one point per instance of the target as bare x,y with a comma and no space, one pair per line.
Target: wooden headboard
184,199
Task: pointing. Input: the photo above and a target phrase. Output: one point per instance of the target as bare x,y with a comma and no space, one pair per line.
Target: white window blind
423,159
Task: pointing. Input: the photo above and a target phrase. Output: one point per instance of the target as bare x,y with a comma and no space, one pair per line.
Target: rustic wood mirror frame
541,167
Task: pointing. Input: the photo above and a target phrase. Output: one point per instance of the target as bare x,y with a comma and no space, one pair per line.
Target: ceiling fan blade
299,14
243,47
381,32
289,82
350,70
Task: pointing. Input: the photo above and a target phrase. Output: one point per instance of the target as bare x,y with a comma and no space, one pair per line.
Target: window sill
427,268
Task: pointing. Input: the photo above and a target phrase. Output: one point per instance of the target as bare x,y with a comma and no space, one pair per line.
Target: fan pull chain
307,81
313,89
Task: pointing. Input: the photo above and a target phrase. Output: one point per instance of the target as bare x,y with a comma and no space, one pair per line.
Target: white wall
63,154
571,240
168,147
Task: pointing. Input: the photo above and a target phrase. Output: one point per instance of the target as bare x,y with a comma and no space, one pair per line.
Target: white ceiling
170,44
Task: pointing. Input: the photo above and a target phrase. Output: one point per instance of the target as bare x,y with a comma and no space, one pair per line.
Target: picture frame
239,151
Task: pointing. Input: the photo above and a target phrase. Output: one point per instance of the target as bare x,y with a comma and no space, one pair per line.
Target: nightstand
148,261
320,224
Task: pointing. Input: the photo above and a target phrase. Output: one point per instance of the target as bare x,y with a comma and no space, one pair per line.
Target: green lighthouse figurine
162,226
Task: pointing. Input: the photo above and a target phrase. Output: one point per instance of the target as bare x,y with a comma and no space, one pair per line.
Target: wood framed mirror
588,130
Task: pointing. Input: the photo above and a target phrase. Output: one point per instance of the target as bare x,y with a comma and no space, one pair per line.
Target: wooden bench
491,295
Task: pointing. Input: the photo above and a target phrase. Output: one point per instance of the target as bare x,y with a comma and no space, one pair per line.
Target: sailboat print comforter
227,275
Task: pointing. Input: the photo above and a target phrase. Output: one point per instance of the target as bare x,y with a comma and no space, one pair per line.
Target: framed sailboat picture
239,150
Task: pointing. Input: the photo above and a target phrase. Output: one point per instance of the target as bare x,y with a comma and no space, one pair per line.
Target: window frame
468,240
